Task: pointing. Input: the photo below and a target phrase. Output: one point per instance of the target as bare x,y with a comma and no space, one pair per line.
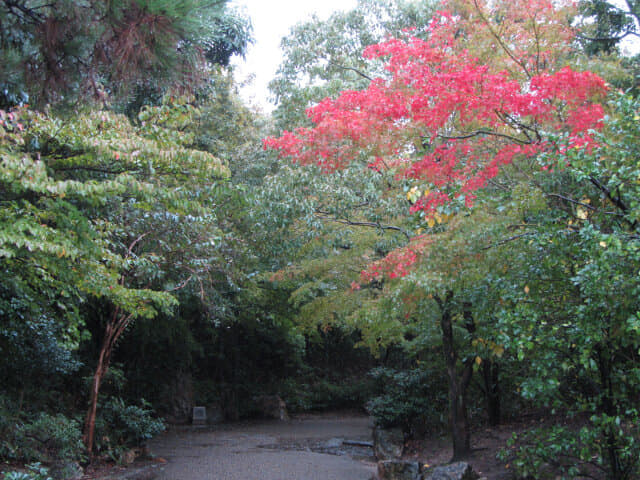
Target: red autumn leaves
442,117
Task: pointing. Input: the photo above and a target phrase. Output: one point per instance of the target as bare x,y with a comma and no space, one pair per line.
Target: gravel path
305,448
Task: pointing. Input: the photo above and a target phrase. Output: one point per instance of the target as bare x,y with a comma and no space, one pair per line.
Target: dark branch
344,221
484,132
15,6
359,72
91,169
570,200
507,240
616,200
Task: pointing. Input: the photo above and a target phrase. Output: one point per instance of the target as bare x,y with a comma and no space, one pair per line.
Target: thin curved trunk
113,330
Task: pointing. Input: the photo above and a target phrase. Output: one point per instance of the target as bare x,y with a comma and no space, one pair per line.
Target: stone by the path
178,395
145,473
199,416
334,443
388,444
271,406
128,456
453,471
215,414
398,470
66,470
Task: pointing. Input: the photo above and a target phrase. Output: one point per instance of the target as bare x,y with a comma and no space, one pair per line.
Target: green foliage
302,395
47,438
414,400
568,453
35,472
323,58
100,49
610,24
120,427
570,307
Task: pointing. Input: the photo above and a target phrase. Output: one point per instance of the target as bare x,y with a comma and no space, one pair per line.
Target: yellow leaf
478,360
431,222
582,213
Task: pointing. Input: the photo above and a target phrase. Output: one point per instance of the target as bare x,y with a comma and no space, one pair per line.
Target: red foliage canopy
445,118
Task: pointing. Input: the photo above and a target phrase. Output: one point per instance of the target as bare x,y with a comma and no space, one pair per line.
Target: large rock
398,470
453,471
178,396
66,471
215,414
271,406
388,444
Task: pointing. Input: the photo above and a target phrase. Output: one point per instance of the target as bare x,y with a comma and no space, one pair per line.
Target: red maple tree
468,118
487,87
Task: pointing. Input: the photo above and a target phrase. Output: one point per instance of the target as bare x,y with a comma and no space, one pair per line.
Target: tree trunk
101,369
490,374
608,408
458,417
114,328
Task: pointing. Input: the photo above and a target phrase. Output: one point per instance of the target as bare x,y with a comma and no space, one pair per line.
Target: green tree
610,23
134,205
57,51
572,313
324,57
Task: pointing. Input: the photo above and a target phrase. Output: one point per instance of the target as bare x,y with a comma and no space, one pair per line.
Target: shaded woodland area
438,224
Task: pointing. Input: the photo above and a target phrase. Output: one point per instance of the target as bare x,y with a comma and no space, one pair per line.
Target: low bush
409,399
120,427
324,394
47,438
35,471
603,446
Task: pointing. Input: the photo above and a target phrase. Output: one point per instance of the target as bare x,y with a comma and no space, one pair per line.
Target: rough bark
490,375
114,328
458,416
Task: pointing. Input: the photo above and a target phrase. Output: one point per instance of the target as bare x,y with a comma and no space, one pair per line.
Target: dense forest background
451,239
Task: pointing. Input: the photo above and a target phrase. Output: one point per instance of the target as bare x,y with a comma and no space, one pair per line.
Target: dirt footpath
312,447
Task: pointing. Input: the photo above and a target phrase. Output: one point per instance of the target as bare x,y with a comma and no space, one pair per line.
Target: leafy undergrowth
486,443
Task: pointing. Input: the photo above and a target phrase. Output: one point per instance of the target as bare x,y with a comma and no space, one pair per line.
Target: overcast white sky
272,20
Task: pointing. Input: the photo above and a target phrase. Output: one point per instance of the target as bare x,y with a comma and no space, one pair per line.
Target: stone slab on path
250,450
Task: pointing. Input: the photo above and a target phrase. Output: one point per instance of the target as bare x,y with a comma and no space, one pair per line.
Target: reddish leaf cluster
468,119
443,117
398,263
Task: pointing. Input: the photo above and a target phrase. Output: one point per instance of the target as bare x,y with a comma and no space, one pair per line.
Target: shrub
48,438
36,472
120,426
410,399
605,445
323,394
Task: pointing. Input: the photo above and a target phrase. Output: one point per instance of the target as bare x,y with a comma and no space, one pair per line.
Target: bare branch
484,132
344,221
359,72
570,200
507,240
